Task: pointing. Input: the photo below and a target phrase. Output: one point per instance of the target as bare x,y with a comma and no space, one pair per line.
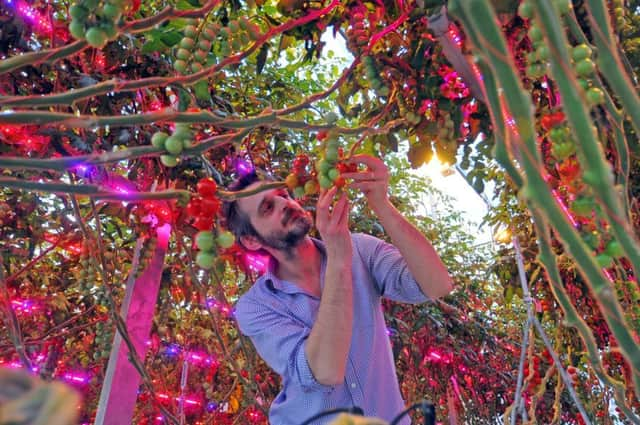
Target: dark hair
237,221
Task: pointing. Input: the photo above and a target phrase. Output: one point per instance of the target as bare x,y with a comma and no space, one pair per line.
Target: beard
286,240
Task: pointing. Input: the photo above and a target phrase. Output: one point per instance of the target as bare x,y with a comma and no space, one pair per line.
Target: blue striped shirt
278,316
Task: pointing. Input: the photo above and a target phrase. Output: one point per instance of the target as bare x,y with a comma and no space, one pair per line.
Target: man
315,317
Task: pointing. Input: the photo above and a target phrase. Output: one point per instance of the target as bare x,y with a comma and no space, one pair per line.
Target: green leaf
153,46
171,38
201,90
187,4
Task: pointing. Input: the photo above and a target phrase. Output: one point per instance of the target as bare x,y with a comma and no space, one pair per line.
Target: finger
365,186
342,210
370,161
361,176
325,198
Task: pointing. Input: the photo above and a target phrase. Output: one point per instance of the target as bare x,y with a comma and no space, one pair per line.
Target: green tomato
595,96
614,249
298,192
325,182
581,52
77,29
111,11
182,131
110,29
205,260
563,150
525,10
191,31
604,260
333,174
535,34
585,67
169,160
96,37
187,43
331,154
158,139
543,53
226,239
562,6
180,66
205,240
208,34
183,54
583,206
78,13
173,145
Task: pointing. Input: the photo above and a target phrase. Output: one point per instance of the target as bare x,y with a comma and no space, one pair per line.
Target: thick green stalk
494,46
93,191
597,172
609,62
93,121
572,317
73,162
501,152
48,56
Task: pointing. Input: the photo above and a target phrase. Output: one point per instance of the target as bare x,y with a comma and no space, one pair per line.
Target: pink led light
255,262
76,378
434,356
32,16
189,401
24,306
564,208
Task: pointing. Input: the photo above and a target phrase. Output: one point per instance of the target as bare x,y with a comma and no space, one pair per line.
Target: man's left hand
373,182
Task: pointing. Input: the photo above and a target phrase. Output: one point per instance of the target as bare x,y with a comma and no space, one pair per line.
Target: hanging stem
11,321
492,44
597,172
533,319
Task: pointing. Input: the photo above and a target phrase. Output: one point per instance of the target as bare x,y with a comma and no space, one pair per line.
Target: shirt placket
354,386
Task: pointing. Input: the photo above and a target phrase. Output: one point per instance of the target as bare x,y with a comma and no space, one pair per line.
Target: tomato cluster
324,173
205,205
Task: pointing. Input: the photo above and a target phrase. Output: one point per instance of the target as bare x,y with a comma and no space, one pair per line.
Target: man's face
281,223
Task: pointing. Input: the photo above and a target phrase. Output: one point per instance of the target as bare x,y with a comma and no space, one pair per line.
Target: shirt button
353,385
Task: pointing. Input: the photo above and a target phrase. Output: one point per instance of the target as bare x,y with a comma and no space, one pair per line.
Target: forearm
423,261
328,344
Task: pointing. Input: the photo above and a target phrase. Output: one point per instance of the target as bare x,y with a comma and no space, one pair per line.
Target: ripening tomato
207,187
209,207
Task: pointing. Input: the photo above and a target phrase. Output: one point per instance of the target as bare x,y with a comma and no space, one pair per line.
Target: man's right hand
332,222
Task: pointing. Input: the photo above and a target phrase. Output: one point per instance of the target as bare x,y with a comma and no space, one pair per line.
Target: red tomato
203,223
209,207
207,187
194,207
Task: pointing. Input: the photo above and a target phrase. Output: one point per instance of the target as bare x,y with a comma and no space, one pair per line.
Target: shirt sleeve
389,270
280,341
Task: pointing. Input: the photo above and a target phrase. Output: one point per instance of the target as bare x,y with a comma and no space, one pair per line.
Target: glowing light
75,378
502,235
32,16
243,167
564,208
434,356
437,167
24,306
187,400
256,262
